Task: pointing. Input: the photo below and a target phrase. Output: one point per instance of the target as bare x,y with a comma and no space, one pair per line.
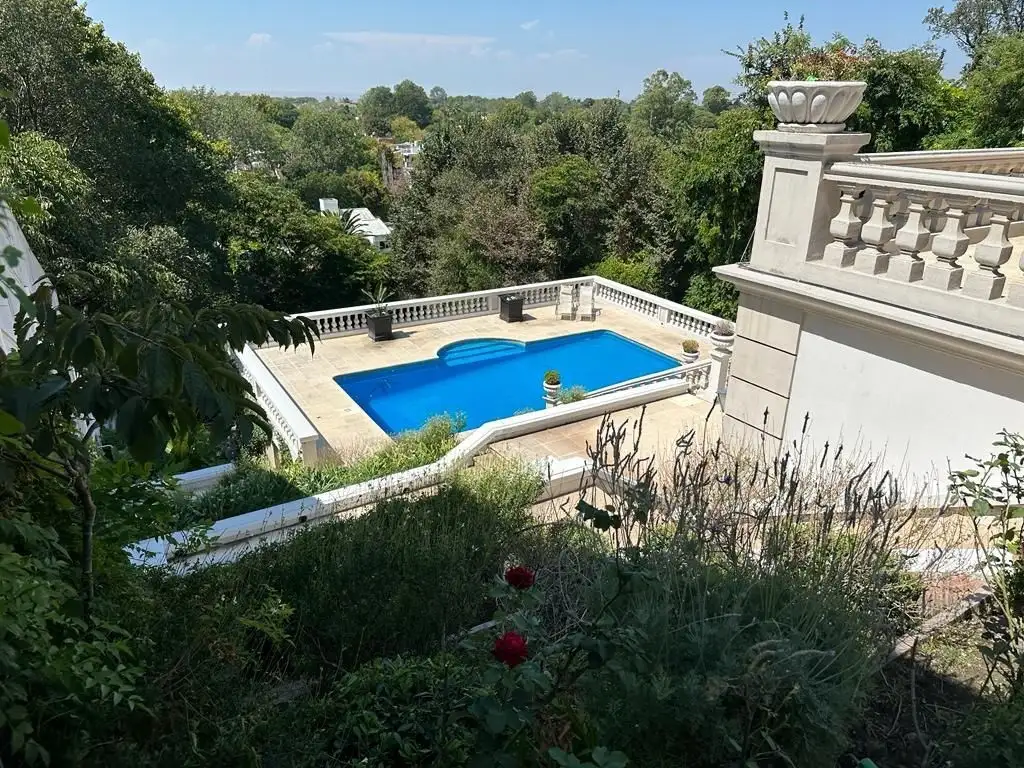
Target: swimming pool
487,379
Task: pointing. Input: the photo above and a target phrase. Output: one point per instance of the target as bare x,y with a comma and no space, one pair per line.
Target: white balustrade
915,225
285,416
352,320
1005,162
691,321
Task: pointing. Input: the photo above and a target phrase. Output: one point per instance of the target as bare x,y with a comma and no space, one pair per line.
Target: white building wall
27,273
883,395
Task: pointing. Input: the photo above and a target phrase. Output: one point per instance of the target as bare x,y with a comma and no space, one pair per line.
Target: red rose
510,649
520,577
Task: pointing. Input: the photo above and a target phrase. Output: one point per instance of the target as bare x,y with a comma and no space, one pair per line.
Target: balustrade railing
938,234
666,312
697,374
1004,161
433,309
352,320
285,416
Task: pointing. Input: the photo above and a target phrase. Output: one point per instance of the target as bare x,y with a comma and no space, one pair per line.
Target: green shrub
572,394
255,487
991,737
741,668
640,272
389,712
401,579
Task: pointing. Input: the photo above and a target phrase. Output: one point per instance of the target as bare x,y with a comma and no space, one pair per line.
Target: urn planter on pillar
552,385
691,351
814,106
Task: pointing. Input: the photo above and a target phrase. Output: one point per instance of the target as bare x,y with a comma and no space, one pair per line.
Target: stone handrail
433,309
666,312
351,320
283,413
900,234
1004,161
227,539
696,373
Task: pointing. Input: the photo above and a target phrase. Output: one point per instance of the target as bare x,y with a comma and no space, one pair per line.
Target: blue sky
594,48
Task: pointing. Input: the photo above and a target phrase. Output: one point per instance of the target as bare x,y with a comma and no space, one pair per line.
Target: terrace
315,415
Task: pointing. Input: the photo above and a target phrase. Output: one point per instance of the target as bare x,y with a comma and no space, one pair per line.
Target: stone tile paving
309,379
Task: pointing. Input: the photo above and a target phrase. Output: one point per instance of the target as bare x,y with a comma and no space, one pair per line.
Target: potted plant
691,351
378,318
723,332
552,383
512,308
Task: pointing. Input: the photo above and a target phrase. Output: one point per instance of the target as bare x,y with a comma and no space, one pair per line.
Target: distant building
363,223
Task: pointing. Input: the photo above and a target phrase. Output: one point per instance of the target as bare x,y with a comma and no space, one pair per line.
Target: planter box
512,309
378,327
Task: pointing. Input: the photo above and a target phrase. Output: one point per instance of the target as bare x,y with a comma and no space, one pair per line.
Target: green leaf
981,508
5,135
9,425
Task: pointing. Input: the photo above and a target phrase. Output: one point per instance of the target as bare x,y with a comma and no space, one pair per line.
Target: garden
709,611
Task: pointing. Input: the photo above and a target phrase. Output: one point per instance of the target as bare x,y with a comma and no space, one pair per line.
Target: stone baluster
876,233
845,229
1015,293
948,246
906,264
990,254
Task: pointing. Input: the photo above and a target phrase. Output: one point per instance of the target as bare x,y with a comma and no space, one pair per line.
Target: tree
907,99
973,23
284,256
665,107
326,139
567,197
376,108
438,96
528,99
352,189
716,99
994,97
71,83
404,129
771,58
411,101
715,181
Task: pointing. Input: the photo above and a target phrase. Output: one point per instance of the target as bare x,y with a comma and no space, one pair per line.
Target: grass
254,486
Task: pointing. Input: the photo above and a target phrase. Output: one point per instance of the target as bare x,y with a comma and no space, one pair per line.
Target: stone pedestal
795,207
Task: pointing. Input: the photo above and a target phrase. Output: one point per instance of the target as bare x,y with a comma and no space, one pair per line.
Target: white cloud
257,39
474,44
562,53
528,25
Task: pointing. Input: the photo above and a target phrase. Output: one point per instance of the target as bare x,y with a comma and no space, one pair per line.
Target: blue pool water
486,379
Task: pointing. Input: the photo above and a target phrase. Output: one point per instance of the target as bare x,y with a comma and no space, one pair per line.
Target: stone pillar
721,356
796,206
794,217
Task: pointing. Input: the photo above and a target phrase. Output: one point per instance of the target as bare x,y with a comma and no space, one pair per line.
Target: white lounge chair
566,306
586,302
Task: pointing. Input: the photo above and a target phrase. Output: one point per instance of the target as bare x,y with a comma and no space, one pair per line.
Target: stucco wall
27,273
920,406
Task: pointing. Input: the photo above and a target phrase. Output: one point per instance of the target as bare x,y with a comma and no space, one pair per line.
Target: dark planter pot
378,327
512,309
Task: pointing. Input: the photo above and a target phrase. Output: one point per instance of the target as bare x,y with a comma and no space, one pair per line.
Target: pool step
479,350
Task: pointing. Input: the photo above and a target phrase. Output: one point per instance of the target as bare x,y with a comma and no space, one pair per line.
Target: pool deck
309,379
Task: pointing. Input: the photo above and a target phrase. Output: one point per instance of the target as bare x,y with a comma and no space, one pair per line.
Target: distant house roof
365,222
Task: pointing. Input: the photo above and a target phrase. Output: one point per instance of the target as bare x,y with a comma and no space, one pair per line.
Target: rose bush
520,577
510,649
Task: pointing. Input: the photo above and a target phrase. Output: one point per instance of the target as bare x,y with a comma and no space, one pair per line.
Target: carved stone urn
814,106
